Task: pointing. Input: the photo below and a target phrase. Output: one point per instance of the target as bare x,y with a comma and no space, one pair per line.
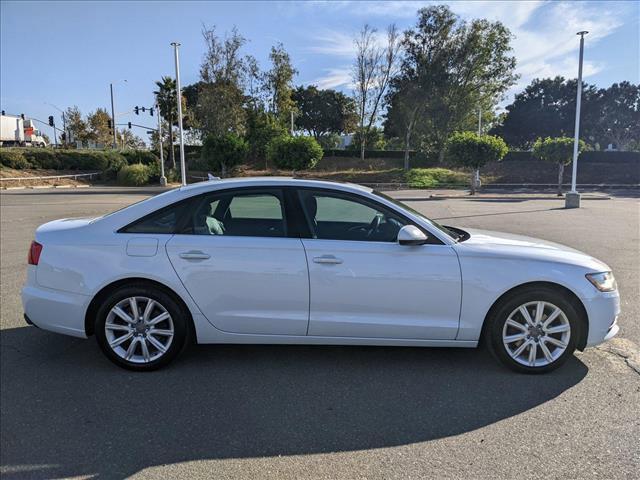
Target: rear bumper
603,312
54,310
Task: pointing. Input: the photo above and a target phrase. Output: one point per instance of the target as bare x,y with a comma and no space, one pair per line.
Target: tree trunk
223,170
441,155
560,175
407,139
473,182
362,146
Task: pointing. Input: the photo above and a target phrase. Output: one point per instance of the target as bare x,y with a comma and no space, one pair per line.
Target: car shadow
67,411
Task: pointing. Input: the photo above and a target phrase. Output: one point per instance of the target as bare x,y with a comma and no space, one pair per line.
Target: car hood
498,244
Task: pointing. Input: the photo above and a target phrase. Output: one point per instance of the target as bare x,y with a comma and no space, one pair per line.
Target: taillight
34,253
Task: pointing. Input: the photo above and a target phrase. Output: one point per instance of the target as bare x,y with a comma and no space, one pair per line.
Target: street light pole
183,169
572,199
163,179
113,118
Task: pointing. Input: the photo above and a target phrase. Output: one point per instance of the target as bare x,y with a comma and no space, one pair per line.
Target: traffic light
51,122
108,123
3,112
151,111
143,109
129,124
136,110
22,116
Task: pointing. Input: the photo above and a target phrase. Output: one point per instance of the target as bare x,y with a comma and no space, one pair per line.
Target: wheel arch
571,296
98,298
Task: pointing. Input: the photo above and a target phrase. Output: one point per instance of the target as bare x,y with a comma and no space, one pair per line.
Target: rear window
165,220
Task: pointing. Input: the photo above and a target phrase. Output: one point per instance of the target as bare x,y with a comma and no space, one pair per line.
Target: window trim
279,192
432,238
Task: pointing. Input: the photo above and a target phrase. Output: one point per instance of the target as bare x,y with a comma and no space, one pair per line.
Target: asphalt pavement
324,412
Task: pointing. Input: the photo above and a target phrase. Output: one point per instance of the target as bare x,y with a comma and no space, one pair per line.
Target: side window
165,220
243,214
335,216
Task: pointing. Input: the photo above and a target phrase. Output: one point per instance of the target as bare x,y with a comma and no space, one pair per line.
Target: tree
278,83
76,126
405,107
470,150
323,112
221,101
374,68
619,115
546,108
224,151
557,150
166,99
450,68
98,126
262,128
127,139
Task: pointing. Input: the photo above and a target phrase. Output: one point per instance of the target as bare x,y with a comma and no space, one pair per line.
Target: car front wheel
141,328
534,331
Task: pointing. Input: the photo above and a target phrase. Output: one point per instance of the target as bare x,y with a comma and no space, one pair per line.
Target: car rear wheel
141,328
534,331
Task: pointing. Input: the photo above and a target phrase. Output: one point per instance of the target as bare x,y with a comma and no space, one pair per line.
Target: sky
60,54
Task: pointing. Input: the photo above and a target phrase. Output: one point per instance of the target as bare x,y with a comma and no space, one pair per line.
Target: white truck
18,132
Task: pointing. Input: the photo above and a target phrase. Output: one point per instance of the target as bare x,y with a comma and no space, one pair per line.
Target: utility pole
183,169
113,118
572,199
163,179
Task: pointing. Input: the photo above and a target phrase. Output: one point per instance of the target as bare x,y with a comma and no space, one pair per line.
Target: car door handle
327,259
194,255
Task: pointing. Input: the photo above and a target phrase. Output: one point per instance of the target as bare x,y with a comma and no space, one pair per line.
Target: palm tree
166,99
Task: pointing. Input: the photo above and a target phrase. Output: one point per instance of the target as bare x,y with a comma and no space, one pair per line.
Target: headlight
603,281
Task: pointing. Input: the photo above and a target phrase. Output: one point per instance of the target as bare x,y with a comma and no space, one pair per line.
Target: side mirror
411,235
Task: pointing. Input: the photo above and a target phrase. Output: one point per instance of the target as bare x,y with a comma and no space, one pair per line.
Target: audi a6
290,261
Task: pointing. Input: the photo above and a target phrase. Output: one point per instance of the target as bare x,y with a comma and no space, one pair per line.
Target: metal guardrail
53,177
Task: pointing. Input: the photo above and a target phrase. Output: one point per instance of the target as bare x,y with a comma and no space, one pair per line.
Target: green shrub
434,177
12,158
261,129
134,175
146,157
224,151
43,158
294,153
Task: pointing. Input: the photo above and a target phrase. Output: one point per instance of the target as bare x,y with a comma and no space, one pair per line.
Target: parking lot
324,412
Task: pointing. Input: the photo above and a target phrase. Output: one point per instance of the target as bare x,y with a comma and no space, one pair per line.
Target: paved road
322,412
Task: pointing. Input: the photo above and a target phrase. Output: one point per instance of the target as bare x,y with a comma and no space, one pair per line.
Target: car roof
208,185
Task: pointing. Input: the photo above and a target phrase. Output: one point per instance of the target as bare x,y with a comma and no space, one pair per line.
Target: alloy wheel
536,334
139,329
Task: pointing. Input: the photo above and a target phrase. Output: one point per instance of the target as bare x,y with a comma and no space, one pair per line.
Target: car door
364,284
238,263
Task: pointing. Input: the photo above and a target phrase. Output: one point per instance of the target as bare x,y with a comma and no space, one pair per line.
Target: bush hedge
134,175
225,151
294,153
146,157
369,153
587,156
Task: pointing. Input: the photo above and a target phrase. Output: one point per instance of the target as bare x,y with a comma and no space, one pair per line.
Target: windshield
449,233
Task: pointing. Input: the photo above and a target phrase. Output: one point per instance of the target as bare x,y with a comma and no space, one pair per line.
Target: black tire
179,318
500,314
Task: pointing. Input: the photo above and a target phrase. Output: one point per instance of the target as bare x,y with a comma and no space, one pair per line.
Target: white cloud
334,78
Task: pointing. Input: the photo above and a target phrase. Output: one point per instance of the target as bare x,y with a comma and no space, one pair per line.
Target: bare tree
373,70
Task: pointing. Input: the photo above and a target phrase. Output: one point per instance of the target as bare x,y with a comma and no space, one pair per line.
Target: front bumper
603,311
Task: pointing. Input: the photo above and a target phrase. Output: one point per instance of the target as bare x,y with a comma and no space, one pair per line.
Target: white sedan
286,261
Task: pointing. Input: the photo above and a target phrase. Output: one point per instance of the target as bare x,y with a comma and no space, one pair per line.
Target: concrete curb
43,187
